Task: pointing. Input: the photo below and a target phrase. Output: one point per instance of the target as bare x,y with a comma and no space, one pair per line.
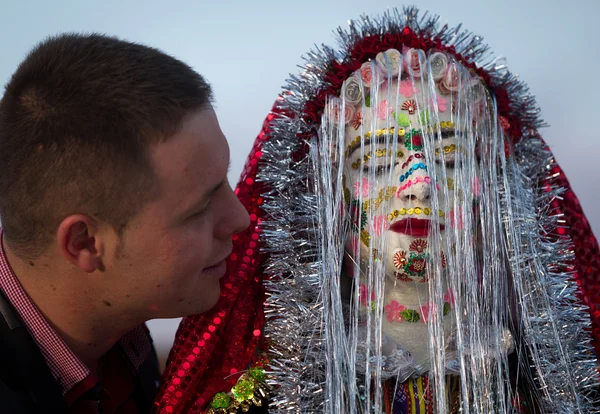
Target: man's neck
72,308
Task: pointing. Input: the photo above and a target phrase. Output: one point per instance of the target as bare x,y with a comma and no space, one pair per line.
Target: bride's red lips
413,227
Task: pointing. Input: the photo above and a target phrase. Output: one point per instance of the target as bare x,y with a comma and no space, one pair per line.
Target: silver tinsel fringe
566,369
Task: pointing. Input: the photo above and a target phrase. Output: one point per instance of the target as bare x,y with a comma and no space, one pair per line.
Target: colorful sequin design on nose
411,170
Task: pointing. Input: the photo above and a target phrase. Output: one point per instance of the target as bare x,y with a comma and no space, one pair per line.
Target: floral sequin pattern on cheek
383,110
361,188
397,313
380,224
394,311
406,88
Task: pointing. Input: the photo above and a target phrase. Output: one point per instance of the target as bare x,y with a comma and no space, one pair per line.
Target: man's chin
188,306
203,303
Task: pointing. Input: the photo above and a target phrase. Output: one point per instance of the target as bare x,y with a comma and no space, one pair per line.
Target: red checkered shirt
69,371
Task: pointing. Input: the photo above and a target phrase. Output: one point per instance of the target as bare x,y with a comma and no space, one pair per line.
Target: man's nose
235,217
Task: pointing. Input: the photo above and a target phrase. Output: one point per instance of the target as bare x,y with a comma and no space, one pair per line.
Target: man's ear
79,242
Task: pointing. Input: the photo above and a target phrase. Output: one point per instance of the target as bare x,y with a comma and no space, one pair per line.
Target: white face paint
389,180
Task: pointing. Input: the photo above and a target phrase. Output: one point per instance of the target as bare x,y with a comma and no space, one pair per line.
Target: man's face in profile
172,253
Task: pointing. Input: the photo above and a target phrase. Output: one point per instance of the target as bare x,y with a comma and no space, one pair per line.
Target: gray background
246,49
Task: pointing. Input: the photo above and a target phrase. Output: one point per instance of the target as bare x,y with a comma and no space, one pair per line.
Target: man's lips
414,227
217,264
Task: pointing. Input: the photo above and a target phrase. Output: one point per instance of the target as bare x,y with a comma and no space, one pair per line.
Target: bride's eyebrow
382,139
385,137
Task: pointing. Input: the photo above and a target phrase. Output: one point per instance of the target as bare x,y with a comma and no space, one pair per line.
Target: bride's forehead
400,109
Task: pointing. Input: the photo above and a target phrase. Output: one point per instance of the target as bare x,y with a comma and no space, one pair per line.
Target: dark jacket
26,383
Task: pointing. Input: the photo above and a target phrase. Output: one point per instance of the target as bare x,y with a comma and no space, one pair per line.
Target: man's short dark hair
76,121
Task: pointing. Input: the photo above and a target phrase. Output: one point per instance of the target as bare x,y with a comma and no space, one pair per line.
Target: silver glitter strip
555,325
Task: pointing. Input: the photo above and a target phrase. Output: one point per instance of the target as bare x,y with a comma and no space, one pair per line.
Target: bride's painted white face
390,178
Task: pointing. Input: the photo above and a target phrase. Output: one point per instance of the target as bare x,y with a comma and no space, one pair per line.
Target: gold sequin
375,254
366,205
365,237
378,133
412,211
382,152
446,149
385,194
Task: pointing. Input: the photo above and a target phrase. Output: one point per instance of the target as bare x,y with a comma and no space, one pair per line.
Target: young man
115,209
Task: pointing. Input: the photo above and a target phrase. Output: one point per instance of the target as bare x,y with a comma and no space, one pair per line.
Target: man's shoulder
26,384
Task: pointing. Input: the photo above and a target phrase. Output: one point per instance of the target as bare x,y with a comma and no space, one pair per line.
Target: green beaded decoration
411,315
258,374
446,308
410,262
424,117
243,390
408,140
402,119
221,400
363,216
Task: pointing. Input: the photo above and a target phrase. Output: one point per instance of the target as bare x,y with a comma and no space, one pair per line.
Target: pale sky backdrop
246,49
